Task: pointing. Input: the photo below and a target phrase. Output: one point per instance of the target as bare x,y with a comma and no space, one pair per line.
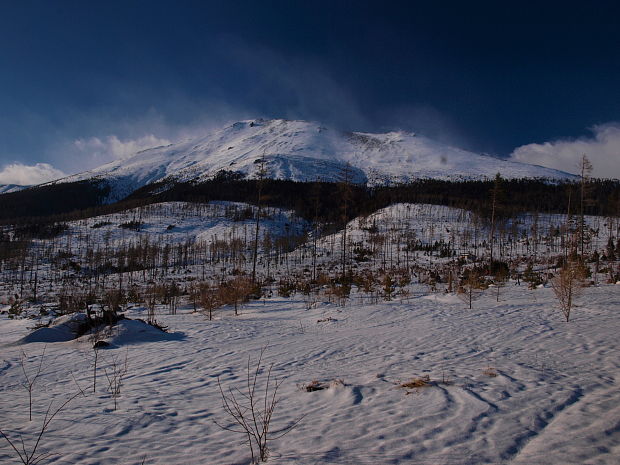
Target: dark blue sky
486,76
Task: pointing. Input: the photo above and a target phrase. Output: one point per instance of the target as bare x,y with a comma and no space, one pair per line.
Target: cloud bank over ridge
603,150
28,175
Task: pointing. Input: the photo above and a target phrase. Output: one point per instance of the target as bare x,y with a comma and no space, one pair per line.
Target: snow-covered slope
177,222
509,382
8,188
506,381
305,151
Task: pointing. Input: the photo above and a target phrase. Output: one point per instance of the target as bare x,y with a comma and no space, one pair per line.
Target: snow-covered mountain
8,188
305,151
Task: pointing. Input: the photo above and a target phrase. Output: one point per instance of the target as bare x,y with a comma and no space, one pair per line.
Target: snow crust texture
509,383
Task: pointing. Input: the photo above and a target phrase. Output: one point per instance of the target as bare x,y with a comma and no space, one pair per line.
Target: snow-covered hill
401,371
305,151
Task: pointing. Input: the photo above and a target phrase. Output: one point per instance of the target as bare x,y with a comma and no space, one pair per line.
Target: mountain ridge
304,151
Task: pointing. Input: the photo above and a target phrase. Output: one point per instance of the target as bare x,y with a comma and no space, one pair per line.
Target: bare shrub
367,282
310,296
30,380
531,277
115,374
30,457
113,300
15,307
388,284
251,410
339,292
286,288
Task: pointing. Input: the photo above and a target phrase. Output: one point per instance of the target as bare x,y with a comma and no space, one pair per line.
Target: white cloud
603,150
112,148
28,175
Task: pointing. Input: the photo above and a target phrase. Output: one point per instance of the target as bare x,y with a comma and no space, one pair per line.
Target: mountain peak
305,151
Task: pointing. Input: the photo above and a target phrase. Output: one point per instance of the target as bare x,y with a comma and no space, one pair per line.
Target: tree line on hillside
313,200
36,255
324,200
84,266
52,199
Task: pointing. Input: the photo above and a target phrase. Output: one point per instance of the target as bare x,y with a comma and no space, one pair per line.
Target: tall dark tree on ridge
261,174
496,194
345,180
585,171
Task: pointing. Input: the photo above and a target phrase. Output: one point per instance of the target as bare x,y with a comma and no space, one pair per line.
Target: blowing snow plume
603,150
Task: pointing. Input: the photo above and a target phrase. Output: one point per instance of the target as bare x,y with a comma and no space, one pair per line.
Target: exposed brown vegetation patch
414,383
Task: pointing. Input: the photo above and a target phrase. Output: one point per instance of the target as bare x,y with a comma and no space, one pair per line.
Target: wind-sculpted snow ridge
305,151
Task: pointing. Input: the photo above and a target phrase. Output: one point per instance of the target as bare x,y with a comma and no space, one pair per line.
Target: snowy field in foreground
553,399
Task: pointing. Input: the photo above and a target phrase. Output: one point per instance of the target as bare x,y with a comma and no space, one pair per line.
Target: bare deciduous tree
585,168
567,286
471,287
260,179
235,292
209,299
